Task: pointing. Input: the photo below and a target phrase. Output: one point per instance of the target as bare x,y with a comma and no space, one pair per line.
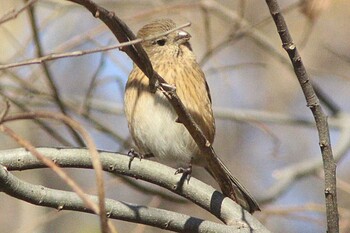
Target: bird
152,121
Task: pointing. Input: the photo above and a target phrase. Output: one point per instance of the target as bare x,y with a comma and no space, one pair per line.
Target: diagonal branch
48,74
140,58
12,14
94,157
55,56
246,29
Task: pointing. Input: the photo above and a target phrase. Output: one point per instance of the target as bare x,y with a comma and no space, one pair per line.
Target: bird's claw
186,172
133,154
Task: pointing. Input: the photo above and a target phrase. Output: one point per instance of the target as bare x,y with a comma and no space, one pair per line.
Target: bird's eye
161,42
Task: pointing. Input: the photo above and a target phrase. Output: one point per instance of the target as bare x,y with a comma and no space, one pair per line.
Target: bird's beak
182,37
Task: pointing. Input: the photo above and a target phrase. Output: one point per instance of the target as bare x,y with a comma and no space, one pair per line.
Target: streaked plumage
152,120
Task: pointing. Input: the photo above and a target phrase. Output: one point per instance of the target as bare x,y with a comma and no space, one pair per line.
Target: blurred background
265,131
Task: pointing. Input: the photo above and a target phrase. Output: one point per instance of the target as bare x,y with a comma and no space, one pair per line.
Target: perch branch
198,192
140,58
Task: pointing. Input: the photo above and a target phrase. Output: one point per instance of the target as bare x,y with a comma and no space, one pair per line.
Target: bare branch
246,29
54,56
198,192
320,118
48,73
12,14
93,152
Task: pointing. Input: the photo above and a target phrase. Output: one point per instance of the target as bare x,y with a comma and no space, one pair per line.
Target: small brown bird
152,120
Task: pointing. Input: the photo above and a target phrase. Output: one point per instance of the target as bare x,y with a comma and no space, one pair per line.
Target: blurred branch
207,27
24,86
48,74
223,113
91,147
295,212
12,14
286,176
343,57
49,130
198,192
246,29
320,117
74,106
97,123
218,69
85,106
53,56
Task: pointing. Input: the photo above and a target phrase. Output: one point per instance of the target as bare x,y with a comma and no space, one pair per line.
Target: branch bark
196,191
313,103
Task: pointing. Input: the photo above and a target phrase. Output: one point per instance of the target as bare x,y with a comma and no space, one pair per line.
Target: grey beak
182,36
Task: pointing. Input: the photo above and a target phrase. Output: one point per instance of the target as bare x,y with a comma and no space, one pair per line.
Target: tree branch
246,29
140,58
100,209
284,176
201,194
48,73
320,118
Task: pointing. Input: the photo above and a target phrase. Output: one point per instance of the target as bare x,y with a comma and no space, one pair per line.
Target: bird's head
171,44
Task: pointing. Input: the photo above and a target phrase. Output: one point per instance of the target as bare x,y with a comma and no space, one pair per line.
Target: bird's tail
240,193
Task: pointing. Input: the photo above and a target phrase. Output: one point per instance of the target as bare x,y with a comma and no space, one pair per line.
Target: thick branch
196,191
63,200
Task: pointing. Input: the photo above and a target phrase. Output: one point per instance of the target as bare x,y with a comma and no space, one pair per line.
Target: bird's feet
133,154
186,172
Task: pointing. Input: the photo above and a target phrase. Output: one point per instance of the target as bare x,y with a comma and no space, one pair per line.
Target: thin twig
54,56
85,106
246,29
48,74
93,151
320,118
48,129
12,14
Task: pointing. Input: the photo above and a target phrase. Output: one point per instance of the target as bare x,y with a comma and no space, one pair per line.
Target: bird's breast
153,121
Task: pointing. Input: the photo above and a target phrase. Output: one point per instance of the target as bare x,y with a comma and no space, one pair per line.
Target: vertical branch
48,74
321,119
207,27
85,107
